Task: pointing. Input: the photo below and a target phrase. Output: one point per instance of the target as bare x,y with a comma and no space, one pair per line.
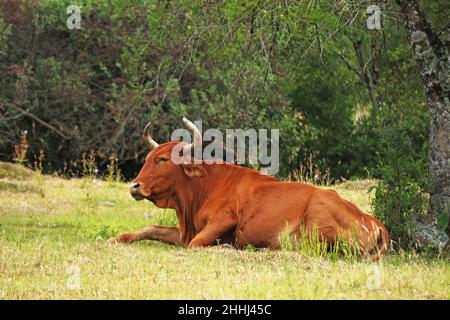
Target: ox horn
196,135
148,138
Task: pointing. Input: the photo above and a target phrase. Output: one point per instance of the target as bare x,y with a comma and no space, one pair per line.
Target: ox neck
187,199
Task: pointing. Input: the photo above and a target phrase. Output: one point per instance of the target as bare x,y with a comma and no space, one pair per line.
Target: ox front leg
209,235
170,235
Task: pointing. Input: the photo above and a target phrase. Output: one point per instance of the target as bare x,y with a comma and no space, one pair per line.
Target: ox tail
382,243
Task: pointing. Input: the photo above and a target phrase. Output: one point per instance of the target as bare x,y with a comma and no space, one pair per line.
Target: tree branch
37,119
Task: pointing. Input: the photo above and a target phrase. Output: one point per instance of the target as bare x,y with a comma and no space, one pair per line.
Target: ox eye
161,159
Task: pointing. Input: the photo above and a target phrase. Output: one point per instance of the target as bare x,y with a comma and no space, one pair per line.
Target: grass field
52,246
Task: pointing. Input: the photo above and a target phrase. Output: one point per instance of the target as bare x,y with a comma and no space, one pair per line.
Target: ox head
160,173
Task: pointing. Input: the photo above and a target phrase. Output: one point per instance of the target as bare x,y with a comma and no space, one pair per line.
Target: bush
402,194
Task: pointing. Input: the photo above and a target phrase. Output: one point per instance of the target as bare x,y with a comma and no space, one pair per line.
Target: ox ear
193,170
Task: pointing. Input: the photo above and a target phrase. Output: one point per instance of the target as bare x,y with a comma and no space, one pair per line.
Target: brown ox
240,206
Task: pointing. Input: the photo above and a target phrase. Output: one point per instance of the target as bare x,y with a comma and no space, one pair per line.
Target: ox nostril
135,186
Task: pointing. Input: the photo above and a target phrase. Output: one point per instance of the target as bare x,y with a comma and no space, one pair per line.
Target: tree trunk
432,57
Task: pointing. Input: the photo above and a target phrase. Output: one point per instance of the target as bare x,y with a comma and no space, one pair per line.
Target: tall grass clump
113,171
38,165
20,149
89,172
89,165
310,172
310,243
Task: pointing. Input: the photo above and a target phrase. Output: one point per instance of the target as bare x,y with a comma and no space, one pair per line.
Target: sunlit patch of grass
17,187
45,240
15,171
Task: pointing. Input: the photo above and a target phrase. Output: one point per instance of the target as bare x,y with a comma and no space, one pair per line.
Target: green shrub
401,195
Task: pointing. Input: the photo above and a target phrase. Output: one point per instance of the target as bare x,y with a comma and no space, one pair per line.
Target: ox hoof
125,238
113,240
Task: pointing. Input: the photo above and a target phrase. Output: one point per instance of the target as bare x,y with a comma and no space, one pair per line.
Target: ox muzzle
135,190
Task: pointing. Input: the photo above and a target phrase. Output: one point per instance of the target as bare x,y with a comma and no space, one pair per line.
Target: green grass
53,231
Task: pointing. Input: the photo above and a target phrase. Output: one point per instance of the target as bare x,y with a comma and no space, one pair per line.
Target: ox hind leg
170,235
